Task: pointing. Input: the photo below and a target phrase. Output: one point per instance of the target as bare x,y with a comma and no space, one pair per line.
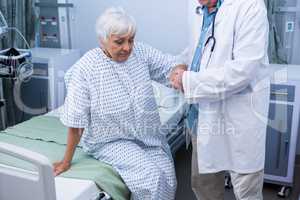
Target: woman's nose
126,47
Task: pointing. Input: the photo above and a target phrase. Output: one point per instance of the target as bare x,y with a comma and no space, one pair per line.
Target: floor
184,192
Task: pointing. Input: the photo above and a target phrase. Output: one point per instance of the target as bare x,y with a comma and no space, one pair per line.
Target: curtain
275,43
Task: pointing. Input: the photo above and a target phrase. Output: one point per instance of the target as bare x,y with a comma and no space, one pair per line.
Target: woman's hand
74,135
60,167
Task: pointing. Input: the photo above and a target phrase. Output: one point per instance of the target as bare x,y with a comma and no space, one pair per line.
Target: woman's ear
101,42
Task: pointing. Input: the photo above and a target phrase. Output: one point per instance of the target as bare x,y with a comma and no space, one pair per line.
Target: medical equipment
212,36
53,28
14,63
50,66
46,88
210,39
3,24
15,68
283,127
284,18
46,135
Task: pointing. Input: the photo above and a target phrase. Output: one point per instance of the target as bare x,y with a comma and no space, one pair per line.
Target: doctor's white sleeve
249,53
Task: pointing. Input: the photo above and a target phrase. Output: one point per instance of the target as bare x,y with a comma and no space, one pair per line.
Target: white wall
162,24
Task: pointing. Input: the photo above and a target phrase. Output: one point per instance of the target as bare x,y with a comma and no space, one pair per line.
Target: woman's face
118,47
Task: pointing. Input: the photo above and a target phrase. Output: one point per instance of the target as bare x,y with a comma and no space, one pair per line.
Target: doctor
228,94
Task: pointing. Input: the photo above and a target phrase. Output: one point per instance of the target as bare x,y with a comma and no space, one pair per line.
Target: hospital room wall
161,24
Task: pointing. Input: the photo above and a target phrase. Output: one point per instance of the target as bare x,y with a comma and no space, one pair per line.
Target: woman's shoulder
141,46
91,56
88,60
143,50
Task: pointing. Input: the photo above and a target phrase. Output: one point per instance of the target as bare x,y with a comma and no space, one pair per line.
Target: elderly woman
110,107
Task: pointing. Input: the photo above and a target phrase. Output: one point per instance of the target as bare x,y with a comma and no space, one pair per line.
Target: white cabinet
282,132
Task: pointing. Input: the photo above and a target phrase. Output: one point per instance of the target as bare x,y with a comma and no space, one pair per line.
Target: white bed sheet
75,189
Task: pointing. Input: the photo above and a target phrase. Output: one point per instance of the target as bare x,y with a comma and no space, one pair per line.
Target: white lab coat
232,89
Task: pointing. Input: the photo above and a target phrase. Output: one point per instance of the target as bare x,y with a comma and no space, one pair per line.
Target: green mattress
46,135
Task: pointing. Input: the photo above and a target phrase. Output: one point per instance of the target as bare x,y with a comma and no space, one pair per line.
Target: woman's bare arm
74,135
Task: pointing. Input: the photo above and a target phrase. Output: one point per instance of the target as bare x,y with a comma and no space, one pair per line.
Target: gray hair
115,21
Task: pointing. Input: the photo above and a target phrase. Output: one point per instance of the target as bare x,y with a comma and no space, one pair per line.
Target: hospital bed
28,149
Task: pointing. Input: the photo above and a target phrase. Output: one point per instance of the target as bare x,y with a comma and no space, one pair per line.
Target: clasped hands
176,76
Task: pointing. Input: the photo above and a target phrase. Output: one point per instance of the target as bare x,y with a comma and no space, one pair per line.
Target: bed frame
41,181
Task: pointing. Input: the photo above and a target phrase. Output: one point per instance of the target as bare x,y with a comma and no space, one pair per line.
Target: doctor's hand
180,67
60,167
176,77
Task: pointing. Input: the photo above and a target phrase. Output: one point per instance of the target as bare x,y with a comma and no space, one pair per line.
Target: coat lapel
221,15
223,11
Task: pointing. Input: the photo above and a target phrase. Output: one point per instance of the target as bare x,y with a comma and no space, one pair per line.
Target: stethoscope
211,38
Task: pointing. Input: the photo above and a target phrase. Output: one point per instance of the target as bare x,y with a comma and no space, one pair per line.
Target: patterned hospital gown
115,104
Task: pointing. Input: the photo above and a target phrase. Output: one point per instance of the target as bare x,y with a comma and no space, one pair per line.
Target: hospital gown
114,103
